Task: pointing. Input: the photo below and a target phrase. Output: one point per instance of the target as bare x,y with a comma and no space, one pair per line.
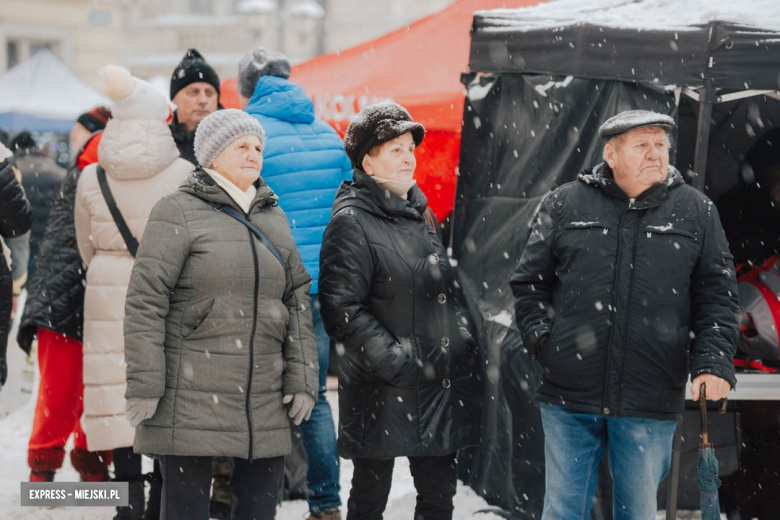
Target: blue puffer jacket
303,163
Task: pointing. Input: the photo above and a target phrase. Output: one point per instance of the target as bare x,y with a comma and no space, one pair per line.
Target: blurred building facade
150,36
83,34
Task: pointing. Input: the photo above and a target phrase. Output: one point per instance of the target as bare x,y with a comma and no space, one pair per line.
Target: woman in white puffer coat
142,164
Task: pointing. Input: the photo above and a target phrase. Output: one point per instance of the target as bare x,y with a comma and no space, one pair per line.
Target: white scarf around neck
242,198
400,188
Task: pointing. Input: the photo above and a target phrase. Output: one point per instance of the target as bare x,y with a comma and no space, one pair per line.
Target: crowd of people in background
187,285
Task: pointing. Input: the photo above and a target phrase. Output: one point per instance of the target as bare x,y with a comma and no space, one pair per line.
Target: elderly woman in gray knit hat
218,330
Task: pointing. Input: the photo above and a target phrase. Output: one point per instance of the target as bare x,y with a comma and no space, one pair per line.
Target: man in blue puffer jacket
303,163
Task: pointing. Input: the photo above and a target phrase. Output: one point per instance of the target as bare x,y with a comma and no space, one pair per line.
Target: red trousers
58,411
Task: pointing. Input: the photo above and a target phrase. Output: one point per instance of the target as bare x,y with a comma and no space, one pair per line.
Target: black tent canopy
712,63
719,54
536,94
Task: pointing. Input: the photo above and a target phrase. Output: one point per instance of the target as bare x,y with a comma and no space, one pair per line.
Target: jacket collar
367,194
200,184
179,130
602,178
281,99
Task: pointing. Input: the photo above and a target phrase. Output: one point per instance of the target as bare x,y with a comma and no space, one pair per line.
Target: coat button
445,341
445,383
442,299
606,411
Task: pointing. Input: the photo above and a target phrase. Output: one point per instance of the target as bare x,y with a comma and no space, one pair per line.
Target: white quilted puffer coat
142,165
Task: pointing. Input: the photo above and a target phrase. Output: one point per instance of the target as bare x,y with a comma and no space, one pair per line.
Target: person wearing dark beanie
195,92
86,125
95,119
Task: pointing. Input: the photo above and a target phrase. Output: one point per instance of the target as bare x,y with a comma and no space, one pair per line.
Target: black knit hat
95,119
192,69
377,124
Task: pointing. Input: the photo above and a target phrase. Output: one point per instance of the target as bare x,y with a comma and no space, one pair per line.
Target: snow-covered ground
15,432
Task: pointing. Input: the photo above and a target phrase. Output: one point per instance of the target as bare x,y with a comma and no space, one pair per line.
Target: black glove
3,371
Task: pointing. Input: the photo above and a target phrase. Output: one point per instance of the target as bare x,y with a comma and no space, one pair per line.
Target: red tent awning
417,66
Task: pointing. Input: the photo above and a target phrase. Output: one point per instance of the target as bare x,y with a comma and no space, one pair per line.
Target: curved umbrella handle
703,412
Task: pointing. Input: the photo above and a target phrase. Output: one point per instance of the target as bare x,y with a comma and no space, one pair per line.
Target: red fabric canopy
417,66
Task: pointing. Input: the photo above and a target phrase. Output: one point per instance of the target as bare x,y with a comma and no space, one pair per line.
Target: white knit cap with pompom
132,98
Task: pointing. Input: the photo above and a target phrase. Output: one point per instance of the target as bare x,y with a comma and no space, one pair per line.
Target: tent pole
706,99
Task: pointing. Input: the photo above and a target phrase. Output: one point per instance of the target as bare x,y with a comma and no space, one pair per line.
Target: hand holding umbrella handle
703,411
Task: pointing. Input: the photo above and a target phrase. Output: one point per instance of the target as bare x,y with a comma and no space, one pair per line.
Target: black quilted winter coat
633,295
409,383
16,217
55,289
41,180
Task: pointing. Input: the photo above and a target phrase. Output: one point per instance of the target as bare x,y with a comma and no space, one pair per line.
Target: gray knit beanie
219,129
260,62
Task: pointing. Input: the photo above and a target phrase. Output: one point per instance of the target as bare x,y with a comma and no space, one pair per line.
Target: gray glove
139,409
302,405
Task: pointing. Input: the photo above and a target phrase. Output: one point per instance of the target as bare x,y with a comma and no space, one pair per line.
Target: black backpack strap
130,242
233,212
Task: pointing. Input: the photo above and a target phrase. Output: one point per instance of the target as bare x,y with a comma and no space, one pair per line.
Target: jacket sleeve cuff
534,337
716,369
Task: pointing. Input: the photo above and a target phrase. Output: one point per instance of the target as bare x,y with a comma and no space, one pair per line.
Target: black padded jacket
16,218
55,289
633,295
409,378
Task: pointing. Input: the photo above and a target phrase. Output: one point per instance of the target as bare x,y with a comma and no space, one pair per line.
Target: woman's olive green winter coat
217,328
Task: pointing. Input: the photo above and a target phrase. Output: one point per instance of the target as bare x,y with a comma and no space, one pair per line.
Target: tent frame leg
706,99
673,484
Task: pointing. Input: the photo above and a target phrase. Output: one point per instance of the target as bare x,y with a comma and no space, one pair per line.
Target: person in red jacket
54,313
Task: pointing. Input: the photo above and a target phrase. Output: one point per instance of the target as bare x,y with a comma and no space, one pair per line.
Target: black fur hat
377,124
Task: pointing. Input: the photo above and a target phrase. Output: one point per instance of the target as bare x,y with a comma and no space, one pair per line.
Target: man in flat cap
626,286
195,92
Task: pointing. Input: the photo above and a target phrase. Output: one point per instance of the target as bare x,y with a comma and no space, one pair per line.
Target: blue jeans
640,452
319,434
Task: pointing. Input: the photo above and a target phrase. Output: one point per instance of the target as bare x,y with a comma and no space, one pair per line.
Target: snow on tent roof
42,94
639,14
725,43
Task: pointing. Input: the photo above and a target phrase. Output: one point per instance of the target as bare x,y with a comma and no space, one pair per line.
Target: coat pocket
196,310
666,248
583,242
668,230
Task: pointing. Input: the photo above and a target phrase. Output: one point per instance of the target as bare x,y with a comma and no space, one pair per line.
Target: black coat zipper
628,312
252,342
613,314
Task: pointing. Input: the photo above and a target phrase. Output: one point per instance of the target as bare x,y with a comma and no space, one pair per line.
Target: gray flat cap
260,62
631,119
